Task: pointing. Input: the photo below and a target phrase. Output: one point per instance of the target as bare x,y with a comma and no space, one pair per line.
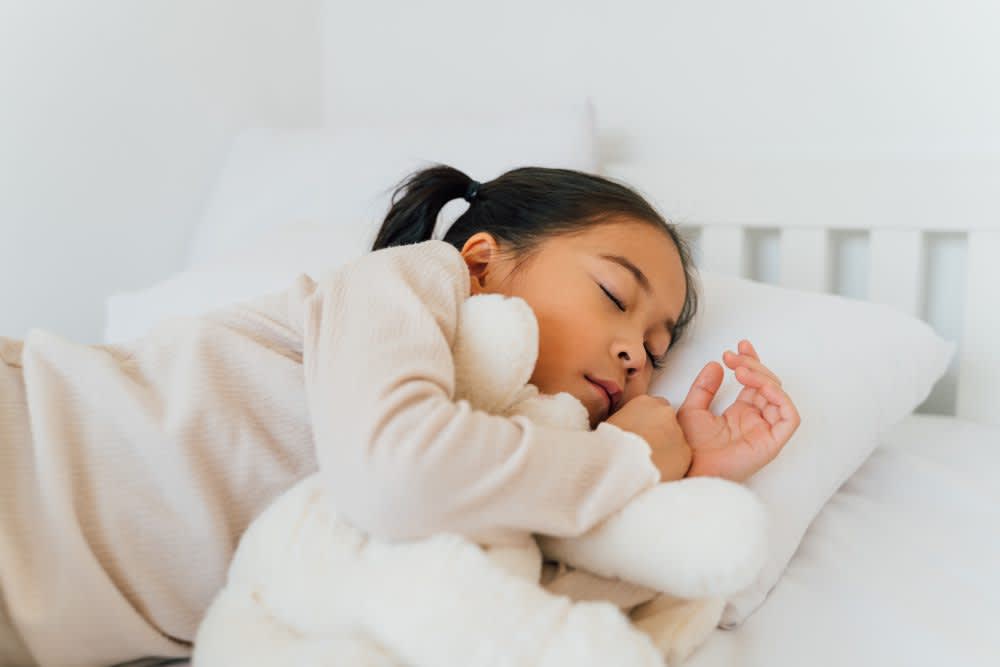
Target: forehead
649,248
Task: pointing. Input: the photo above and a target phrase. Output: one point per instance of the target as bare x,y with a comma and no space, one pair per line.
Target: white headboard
919,235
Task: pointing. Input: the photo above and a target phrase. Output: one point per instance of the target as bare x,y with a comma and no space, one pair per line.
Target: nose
632,358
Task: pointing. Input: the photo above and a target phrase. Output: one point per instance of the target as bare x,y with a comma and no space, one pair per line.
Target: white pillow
344,176
269,264
853,369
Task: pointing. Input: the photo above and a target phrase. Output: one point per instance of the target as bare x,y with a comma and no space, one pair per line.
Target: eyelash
657,363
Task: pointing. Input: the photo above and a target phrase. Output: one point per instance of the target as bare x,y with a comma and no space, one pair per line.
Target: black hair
521,209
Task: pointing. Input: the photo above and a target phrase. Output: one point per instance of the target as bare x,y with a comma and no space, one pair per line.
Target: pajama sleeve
402,459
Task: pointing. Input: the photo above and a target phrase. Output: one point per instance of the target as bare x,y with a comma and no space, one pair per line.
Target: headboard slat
896,270
805,258
978,394
723,249
902,205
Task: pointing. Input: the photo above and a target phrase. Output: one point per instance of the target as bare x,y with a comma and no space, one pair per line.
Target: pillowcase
853,369
269,264
344,176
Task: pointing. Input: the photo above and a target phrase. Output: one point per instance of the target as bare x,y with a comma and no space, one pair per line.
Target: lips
610,390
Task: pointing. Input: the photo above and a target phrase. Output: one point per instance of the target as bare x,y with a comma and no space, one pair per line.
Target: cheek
637,385
554,349
573,337
565,352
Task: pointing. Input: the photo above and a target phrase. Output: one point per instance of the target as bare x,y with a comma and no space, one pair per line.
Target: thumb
704,387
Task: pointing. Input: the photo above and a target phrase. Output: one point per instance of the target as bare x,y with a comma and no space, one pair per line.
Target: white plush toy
307,588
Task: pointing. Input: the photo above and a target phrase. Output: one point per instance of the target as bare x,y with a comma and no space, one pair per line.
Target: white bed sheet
902,566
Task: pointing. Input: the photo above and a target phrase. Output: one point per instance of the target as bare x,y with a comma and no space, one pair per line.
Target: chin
585,395
596,413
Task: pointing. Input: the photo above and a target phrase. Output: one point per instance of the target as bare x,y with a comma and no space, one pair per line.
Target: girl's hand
653,418
750,432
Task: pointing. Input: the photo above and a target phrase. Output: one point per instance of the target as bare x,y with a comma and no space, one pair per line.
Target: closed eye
657,363
613,298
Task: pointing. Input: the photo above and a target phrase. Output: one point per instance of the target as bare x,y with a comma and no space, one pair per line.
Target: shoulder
430,264
413,288
431,254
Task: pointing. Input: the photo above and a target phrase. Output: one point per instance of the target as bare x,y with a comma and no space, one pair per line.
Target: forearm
445,467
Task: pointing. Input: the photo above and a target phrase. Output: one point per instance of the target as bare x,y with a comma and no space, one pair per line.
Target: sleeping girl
130,471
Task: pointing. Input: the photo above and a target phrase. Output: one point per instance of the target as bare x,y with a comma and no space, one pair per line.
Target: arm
401,458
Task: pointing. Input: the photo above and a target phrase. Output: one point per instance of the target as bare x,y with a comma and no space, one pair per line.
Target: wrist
700,468
689,467
673,463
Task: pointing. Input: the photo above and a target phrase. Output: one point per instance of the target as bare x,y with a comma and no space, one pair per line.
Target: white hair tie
447,216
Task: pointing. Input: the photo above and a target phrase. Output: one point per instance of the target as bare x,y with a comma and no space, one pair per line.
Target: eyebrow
643,281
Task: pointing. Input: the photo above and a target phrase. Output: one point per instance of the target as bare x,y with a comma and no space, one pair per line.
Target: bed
902,563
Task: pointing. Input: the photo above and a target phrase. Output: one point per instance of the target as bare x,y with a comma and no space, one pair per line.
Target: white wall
705,79
114,119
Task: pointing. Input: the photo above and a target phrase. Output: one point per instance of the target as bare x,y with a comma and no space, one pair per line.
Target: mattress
901,567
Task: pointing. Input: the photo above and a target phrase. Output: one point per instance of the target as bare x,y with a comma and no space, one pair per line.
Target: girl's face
572,283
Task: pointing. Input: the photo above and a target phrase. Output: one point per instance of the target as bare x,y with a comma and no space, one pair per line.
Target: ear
479,251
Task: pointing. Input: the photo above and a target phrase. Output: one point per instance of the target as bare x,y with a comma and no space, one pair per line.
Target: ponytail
416,203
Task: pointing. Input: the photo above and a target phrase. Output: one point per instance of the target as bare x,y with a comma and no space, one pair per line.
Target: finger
736,360
746,347
755,381
788,418
778,411
751,389
748,358
771,414
788,421
704,387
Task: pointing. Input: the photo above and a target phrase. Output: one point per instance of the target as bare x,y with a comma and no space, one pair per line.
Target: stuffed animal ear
495,350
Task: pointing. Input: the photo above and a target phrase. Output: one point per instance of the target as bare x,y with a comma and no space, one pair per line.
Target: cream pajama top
128,472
